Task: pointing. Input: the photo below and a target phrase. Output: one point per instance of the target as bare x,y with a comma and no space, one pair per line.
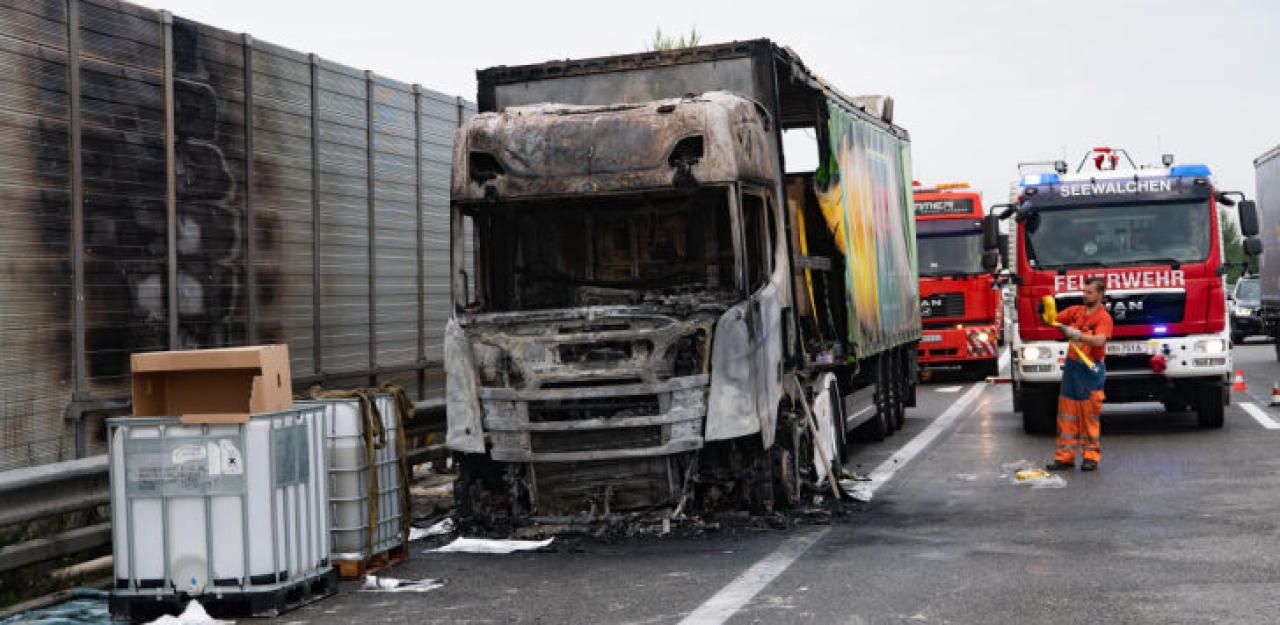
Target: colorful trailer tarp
864,181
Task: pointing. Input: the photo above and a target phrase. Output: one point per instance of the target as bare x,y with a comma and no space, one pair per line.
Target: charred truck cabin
646,308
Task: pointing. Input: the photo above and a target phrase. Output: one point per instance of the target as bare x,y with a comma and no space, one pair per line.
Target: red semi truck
960,306
1152,233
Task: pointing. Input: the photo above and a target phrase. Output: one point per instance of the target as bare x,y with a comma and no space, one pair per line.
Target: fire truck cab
960,305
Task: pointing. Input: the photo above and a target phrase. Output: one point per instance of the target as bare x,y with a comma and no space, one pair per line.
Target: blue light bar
1031,180
1193,171
1161,330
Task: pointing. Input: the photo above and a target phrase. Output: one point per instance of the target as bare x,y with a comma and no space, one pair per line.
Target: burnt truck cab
617,283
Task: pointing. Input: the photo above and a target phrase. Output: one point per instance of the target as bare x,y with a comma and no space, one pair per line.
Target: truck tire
1210,408
879,426
1039,412
990,369
898,401
911,375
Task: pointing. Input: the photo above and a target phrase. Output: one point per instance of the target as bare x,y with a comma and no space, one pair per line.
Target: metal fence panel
201,188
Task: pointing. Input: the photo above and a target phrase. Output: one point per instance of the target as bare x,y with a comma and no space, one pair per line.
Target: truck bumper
952,346
1194,357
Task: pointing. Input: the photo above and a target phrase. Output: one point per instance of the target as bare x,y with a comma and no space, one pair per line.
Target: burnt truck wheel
1039,411
478,491
1210,408
793,458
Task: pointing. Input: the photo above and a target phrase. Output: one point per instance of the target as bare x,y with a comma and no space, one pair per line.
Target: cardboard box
212,385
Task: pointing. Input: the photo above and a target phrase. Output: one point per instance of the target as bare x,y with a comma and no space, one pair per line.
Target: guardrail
35,493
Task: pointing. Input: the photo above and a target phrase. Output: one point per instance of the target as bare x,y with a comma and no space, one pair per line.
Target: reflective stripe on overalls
1080,412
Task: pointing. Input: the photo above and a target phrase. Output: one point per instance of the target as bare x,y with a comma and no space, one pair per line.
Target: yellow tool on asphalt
1049,312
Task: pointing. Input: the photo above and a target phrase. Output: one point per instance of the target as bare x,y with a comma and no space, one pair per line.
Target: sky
980,84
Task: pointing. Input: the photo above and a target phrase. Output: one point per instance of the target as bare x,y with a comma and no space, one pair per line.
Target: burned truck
649,315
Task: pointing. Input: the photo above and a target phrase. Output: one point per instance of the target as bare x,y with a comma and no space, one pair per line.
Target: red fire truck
960,306
1152,233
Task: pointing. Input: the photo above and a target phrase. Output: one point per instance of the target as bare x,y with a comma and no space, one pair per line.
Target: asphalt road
1178,526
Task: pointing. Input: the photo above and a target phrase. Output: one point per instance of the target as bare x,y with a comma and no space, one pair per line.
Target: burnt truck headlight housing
489,363
689,354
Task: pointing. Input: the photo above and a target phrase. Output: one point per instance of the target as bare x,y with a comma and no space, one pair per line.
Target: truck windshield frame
616,250
1135,234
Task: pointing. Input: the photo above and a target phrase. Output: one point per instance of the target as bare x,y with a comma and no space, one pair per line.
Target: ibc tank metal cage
236,514
356,535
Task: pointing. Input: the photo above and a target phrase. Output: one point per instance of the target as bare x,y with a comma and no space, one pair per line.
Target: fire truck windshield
1105,236
950,254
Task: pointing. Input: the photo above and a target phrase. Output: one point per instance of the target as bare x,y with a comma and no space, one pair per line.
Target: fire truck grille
942,305
1128,309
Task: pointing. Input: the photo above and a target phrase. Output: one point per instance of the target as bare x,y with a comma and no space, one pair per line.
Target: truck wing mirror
1252,246
990,233
990,260
1007,211
1249,226
1003,240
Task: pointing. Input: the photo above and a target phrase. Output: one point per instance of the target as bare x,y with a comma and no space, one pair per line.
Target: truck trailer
1267,178
1152,233
649,315
961,307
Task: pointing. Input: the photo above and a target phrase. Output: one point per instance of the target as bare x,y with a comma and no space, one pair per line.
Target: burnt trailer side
171,185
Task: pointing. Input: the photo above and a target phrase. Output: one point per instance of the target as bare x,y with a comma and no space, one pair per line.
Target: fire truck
1152,233
960,305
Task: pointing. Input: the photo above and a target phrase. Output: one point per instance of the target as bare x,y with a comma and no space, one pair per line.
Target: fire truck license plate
1121,349
931,338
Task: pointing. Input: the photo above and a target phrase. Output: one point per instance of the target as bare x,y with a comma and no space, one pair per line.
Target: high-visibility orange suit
1080,400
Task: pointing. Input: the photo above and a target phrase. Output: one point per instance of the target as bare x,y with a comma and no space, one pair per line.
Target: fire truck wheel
1210,409
990,369
1039,412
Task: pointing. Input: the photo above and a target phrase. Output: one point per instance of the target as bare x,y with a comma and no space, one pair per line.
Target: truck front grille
942,305
592,440
594,408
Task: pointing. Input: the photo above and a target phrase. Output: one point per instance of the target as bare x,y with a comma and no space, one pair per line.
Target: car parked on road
1246,299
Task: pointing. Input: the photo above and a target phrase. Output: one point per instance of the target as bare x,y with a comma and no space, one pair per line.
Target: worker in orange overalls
1086,329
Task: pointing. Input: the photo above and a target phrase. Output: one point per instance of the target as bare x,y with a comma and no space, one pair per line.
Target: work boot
1089,465
1058,465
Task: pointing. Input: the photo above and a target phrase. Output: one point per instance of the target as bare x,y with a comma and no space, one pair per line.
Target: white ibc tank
193,504
349,480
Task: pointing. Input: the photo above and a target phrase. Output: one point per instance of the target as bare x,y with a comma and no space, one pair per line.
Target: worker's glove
1070,333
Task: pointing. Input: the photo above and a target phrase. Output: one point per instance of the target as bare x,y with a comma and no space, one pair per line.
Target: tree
663,42
1233,249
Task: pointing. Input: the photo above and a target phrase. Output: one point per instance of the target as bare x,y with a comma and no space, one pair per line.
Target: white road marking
853,417
724,604
887,469
949,389
1259,415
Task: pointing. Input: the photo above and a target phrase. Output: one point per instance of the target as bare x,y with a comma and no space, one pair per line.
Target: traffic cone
1238,385
1275,394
